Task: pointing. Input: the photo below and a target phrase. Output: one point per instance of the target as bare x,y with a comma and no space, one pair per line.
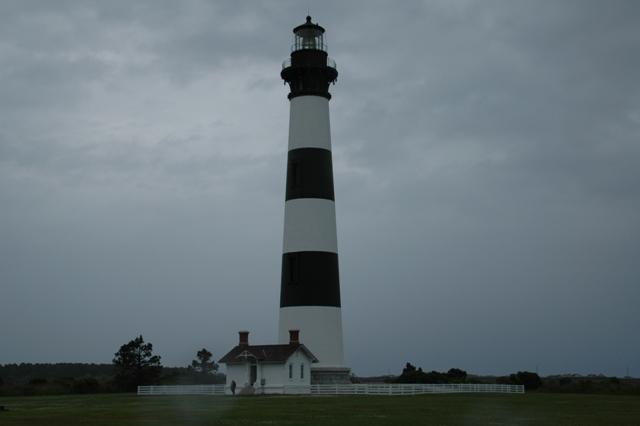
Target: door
253,374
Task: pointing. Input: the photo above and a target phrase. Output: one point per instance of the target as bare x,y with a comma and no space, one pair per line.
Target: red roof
265,353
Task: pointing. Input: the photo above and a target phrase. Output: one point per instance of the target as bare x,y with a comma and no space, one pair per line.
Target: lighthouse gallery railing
287,63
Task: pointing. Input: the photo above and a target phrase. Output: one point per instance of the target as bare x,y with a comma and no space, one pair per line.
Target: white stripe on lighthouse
320,331
309,123
310,225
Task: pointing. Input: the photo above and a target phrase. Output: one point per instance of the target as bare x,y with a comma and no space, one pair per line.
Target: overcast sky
487,172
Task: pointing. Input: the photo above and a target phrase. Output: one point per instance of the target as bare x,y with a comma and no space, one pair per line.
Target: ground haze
129,409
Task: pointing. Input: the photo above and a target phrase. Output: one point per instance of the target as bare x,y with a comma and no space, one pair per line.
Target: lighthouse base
330,376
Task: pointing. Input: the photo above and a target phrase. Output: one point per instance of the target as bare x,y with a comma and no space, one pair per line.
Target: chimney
244,338
294,337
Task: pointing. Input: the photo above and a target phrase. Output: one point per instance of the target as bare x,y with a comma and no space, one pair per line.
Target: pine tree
136,365
203,364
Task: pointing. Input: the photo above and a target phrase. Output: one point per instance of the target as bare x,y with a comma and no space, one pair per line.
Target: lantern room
308,36
309,70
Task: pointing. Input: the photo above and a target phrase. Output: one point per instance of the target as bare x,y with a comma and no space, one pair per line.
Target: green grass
128,409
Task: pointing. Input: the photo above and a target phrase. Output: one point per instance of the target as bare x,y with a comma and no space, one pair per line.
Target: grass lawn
469,409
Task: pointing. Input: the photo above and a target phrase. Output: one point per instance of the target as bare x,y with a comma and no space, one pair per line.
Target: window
295,170
302,371
294,267
294,177
291,371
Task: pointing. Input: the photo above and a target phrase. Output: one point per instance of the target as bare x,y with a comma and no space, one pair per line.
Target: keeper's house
284,368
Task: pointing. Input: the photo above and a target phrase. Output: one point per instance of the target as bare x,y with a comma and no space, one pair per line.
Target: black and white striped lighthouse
310,286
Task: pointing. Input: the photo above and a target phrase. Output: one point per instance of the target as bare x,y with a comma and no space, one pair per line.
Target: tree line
133,364
530,380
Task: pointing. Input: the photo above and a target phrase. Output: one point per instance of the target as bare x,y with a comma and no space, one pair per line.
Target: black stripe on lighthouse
309,174
310,278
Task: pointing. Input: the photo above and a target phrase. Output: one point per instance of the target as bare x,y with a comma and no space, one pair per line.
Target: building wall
320,331
309,123
275,375
238,373
299,235
271,373
310,287
296,360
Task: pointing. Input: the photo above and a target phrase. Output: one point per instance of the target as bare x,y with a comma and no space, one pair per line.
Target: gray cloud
486,159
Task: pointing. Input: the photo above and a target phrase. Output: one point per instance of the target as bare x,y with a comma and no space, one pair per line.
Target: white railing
346,389
412,389
182,390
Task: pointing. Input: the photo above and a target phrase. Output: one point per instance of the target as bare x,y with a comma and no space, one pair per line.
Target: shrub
530,380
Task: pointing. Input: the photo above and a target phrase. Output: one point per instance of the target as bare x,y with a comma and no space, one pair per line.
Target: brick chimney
294,337
244,338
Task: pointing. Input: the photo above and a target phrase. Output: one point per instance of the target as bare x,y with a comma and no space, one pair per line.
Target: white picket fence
182,390
347,389
412,389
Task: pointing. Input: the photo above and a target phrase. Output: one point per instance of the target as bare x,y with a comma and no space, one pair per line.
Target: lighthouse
310,285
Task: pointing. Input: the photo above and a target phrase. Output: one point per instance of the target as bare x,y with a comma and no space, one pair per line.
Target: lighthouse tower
310,286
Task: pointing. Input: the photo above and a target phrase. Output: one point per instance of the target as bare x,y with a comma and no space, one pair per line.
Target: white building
284,368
